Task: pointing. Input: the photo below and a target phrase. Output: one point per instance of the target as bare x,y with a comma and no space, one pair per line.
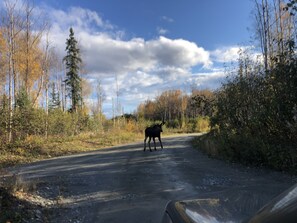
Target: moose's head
159,126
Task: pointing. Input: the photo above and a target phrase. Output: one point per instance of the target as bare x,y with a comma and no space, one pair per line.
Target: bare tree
34,59
97,108
262,18
12,28
100,98
49,58
274,30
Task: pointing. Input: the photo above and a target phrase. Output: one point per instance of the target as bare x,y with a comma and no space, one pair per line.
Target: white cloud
167,19
232,54
211,80
106,55
144,68
226,54
178,53
79,17
162,31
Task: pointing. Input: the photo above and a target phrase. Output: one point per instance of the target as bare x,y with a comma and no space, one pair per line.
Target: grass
208,144
38,148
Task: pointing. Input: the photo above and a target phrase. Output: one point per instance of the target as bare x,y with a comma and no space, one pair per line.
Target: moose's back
153,131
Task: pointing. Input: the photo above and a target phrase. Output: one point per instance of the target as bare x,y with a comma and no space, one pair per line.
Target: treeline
25,65
256,109
187,113
40,93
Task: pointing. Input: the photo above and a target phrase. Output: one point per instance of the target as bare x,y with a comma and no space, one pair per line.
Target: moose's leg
160,142
155,143
145,143
149,142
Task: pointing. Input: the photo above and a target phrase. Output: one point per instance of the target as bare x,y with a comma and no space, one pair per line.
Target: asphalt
125,184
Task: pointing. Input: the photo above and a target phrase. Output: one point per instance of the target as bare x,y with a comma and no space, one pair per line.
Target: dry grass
37,148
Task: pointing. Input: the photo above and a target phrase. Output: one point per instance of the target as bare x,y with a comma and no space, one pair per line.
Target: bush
59,123
202,124
173,124
199,124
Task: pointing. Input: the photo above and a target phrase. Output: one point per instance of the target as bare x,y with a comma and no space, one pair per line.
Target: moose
153,132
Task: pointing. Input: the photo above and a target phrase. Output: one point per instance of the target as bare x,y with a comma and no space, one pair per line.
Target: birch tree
11,29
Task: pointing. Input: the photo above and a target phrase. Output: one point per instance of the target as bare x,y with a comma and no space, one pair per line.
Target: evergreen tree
73,81
23,101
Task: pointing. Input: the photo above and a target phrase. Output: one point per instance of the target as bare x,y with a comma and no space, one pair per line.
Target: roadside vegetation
255,122
69,133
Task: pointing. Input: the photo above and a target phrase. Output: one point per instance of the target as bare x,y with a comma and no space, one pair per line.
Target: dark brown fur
153,132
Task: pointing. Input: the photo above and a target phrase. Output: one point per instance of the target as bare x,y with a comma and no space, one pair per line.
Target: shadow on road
124,182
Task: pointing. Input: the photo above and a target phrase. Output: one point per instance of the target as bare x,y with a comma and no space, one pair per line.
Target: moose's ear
163,123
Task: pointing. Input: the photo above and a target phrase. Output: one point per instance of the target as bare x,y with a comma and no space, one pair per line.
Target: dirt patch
23,201
19,202
14,209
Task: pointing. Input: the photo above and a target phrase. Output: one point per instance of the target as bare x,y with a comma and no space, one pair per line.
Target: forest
251,119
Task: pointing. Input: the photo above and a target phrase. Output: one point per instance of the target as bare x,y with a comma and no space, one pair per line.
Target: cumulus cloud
79,17
211,80
226,54
178,53
232,54
106,55
143,67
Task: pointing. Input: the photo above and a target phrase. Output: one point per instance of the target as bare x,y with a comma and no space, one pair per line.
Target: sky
150,46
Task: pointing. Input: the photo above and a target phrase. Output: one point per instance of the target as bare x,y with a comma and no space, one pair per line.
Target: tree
97,106
54,102
3,61
11,29
274,30
30,53
73,80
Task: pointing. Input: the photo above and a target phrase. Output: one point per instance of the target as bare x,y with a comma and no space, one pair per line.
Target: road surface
125,184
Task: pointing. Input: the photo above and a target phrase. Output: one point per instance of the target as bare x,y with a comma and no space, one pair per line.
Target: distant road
125,184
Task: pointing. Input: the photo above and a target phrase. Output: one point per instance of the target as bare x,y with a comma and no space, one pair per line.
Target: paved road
125,184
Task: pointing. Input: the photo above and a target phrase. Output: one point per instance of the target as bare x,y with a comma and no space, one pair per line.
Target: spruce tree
73,81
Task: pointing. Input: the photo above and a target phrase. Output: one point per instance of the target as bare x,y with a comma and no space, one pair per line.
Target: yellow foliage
130,126
202,124
85,110
29,59
3,58
20,151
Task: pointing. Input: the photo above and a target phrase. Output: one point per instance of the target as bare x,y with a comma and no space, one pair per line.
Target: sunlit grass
37,148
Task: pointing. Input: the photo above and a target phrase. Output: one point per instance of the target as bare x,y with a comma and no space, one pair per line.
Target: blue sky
211,23
152,45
